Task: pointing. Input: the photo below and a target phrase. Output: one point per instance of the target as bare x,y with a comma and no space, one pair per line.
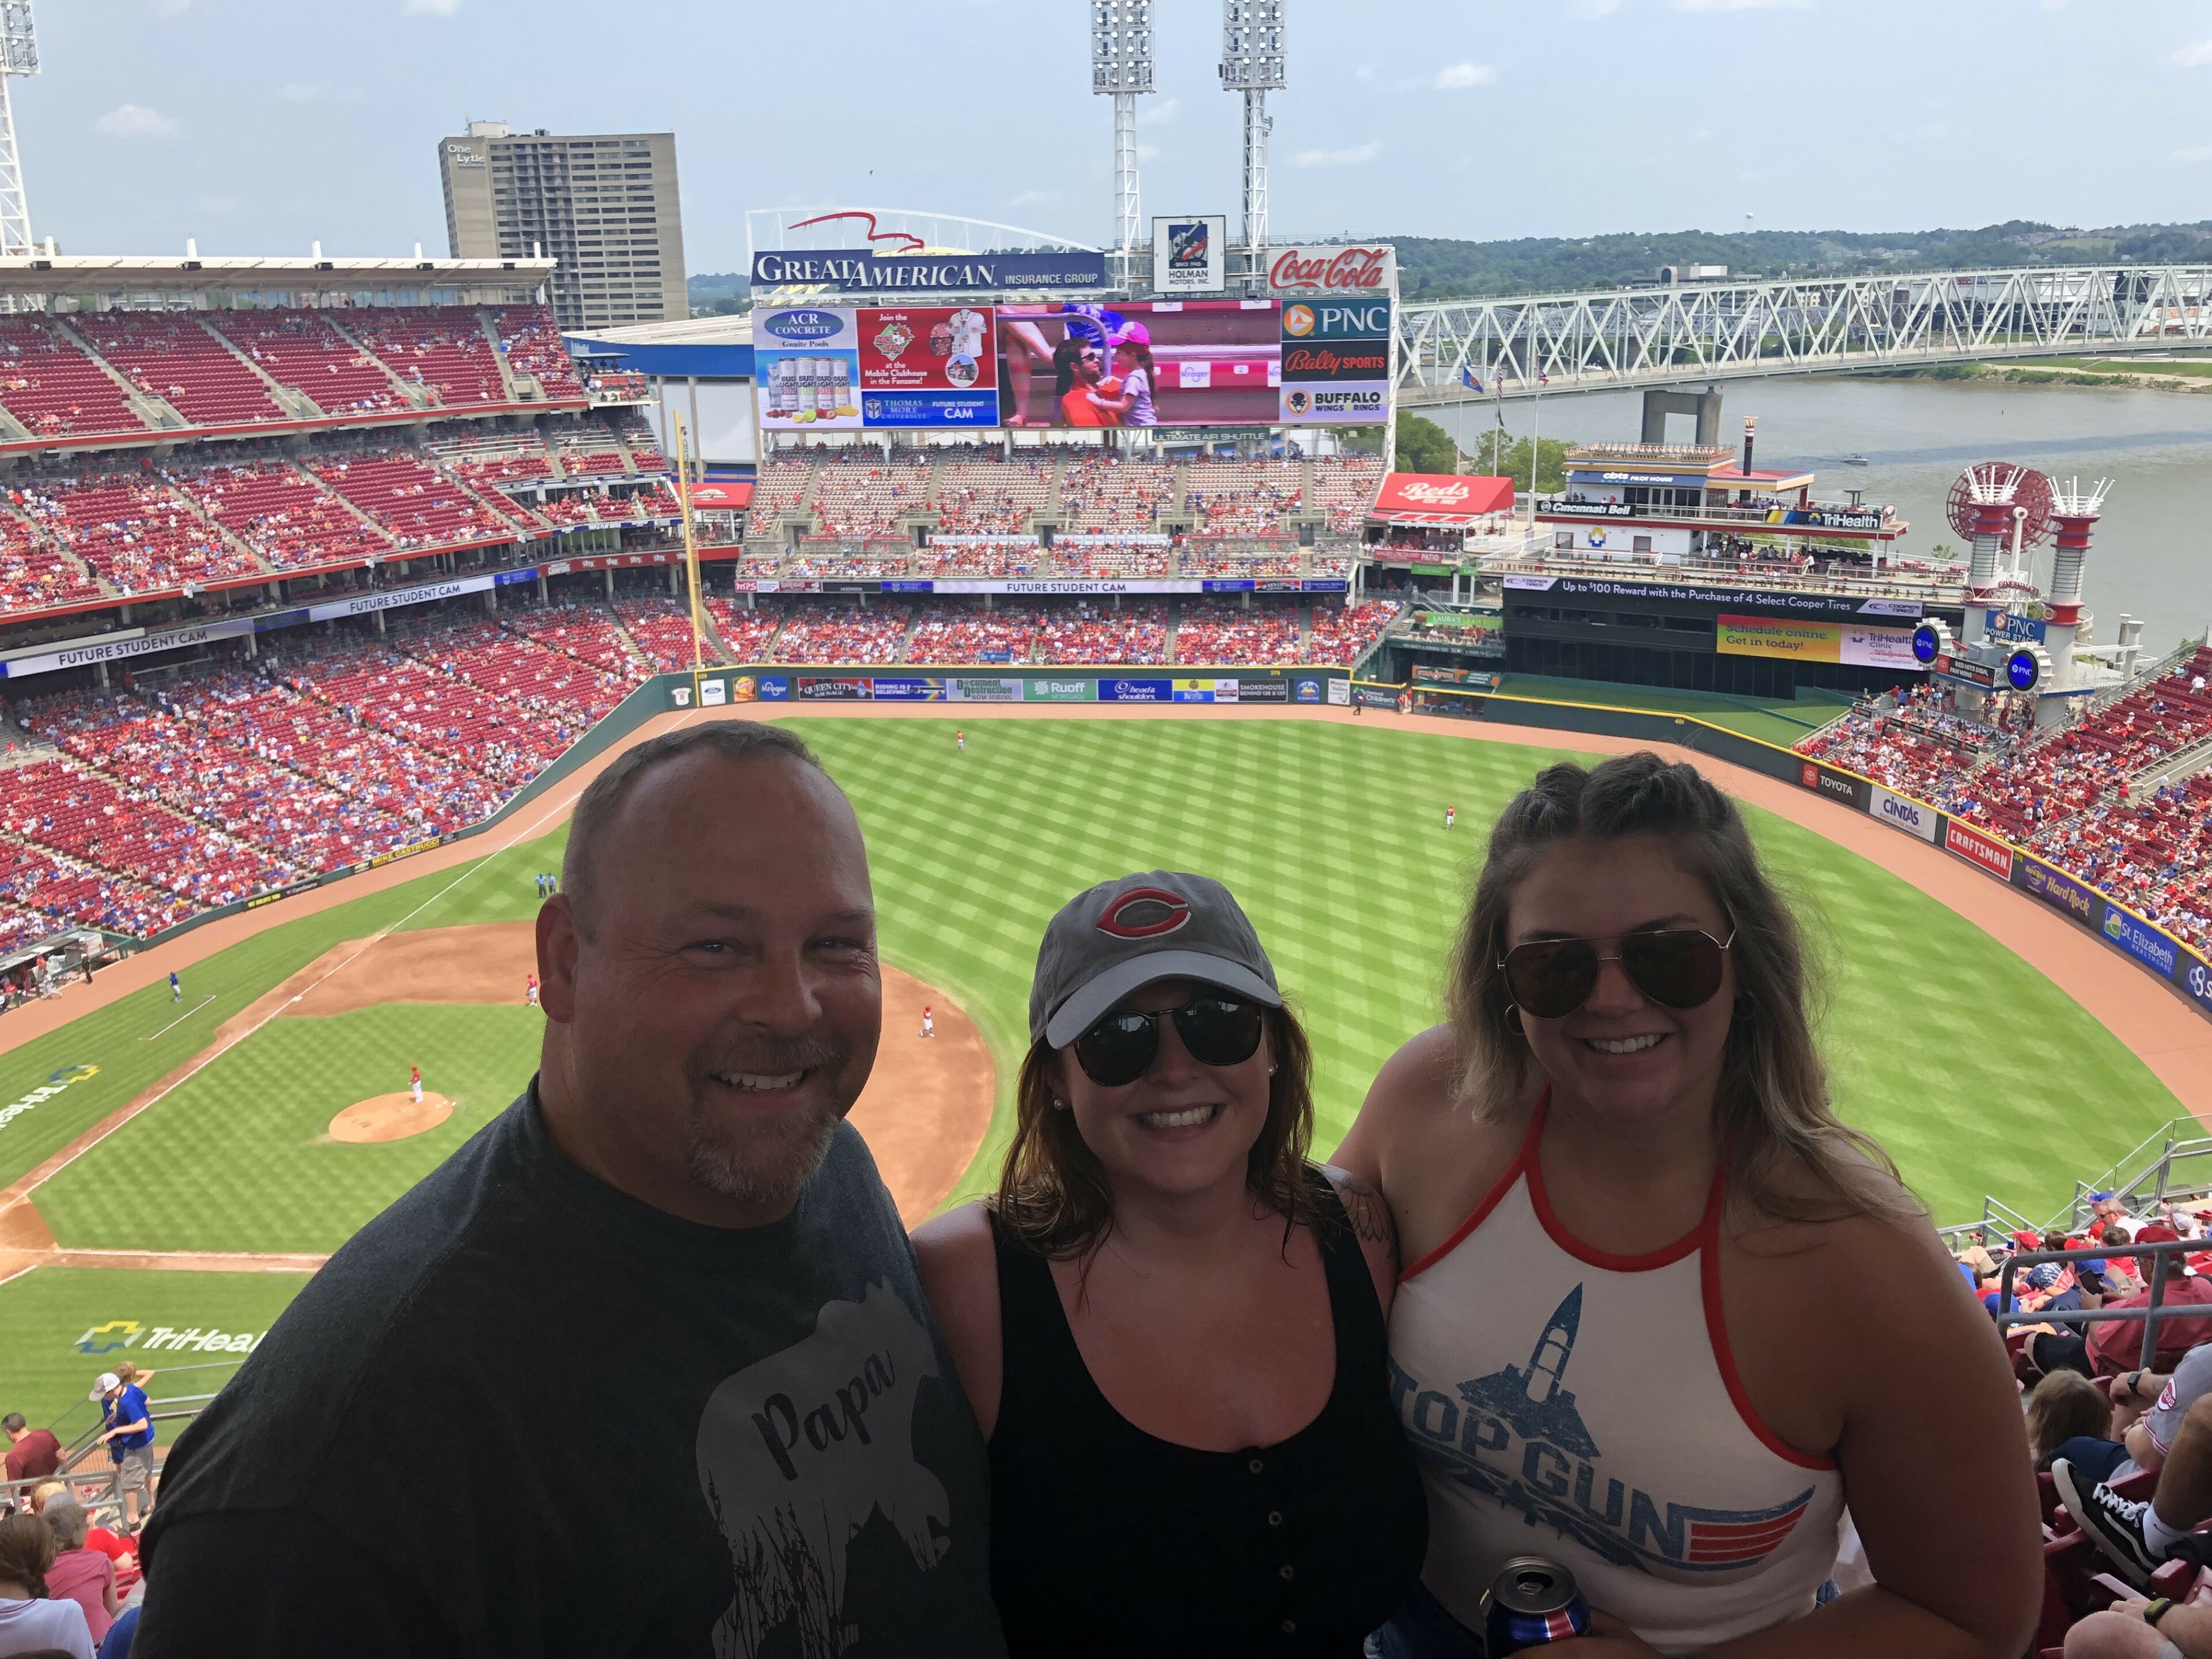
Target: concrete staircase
156,412
290,398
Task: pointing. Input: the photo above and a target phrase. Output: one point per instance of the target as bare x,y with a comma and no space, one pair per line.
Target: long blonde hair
1772,1105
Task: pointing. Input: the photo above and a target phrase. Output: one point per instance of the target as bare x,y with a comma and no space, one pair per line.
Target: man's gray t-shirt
522,1412
2192,1378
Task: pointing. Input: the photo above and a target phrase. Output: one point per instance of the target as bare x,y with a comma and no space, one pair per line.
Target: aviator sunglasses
1675,967
1218,1031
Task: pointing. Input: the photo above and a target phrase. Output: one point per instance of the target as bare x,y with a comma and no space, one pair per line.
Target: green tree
1500,455
1424,447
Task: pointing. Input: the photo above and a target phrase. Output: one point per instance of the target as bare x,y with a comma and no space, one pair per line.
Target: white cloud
1152,115
1743,5
2194,153
133,121
2195,55
1453,76
1338,158
429,7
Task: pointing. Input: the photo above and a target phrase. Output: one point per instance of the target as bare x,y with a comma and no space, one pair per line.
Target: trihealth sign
55,1083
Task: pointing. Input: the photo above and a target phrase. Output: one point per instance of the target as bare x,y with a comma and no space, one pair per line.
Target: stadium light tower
19,55
1122,64
1253,61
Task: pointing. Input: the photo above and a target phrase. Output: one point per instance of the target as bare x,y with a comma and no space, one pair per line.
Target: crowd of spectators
1134,635
970,634
1212,633
1098,492
1227,497
1344,634
844,634
2069,794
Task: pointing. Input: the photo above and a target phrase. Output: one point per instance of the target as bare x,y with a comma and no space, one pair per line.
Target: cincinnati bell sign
1333,270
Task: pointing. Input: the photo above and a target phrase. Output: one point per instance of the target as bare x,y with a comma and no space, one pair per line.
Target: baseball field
178,1236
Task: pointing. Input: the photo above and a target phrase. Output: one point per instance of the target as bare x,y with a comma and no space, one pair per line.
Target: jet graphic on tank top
1518,1435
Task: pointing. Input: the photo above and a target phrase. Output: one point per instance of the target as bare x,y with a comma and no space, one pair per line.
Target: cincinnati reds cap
1163,924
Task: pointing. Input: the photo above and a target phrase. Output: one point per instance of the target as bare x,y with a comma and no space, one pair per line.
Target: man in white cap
128,1434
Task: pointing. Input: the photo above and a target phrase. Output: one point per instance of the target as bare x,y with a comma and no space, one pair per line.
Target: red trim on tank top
1665,1255
1522,1160
1708,1283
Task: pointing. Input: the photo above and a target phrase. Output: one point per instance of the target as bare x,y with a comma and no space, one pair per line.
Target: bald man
645,1367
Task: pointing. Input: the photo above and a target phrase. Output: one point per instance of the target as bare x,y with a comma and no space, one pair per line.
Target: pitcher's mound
390,1117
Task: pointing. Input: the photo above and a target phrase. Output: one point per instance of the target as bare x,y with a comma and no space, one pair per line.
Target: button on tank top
1568,1402
1108,1541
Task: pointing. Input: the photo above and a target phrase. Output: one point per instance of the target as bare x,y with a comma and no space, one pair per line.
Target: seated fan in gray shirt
645,1367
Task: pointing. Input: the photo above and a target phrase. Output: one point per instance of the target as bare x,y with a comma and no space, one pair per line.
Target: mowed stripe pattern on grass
1977,1073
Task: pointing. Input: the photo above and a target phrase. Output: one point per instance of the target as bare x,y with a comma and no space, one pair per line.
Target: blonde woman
1663,1315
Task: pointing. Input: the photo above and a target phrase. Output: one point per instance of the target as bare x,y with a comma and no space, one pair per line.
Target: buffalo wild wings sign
1369,268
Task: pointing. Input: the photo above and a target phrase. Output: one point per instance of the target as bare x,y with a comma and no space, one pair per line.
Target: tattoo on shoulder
1369,1213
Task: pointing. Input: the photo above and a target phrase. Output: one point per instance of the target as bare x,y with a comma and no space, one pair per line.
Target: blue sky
256,125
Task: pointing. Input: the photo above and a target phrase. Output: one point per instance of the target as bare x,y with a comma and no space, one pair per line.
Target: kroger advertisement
850,368
1813,642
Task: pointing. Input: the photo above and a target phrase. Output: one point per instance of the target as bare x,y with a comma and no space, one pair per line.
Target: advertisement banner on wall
963,689
2194,975
1907,815
833,691
1136,690
806,367
2059,890
1834,784
909,690
1049,690
1339,693
2145,943
1305,688
1205,690
1813,642
713,693
1318,321
863,271
840,368
1263,691
1371,269
1190,253
1971,845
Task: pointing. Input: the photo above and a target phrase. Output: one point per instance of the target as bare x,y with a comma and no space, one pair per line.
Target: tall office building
605,207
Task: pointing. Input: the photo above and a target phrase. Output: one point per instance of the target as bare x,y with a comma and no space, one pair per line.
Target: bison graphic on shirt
798,1453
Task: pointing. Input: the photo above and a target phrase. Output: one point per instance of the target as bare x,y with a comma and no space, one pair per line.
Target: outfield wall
2144,942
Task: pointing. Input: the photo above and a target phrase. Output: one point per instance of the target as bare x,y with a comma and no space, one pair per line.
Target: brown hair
1773,1102
2062,1406
66,1516
601,802
1052,1194
27,1550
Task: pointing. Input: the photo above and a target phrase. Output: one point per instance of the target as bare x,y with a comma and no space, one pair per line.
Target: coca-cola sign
1333,270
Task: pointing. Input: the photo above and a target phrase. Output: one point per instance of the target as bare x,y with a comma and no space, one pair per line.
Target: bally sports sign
1333,270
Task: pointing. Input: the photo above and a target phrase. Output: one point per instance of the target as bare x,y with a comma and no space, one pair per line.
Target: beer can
1533,1599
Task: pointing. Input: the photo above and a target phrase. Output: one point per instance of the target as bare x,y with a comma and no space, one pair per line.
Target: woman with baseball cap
1643,1259
1170,1323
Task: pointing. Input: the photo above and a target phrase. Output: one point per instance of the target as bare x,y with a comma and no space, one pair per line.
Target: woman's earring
1513,1019
1271,1071
1058,1104
1745,1006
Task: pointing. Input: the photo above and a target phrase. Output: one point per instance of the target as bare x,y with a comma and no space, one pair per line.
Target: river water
2152,556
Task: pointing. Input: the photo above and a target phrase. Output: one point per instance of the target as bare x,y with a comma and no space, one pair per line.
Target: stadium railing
2150,1316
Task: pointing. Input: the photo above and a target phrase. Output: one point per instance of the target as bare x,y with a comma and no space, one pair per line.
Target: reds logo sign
1312,270
1145,913
1434,494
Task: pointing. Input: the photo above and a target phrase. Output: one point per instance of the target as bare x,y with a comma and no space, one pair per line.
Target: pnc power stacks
603,207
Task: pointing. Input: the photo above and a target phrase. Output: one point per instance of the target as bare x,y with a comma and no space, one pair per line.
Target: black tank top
1105,1540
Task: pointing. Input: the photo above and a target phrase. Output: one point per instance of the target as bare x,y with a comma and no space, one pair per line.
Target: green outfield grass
1975,1071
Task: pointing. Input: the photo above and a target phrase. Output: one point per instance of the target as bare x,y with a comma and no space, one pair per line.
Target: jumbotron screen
1075,364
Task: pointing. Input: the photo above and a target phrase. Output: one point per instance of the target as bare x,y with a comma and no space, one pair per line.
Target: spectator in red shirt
80,1574
32,1454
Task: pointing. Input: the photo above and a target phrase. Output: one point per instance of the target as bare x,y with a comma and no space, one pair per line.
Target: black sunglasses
1675,967
1217,1031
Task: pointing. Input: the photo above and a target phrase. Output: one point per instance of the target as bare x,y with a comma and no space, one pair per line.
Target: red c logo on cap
1145,913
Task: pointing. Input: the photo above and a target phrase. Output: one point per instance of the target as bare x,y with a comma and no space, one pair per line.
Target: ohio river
2152,556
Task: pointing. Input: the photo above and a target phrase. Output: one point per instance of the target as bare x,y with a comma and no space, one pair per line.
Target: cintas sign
1333,270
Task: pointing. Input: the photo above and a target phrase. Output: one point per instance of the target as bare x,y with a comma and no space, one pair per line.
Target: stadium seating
443,349
969,633
34,574
306,350
1112,559
283,515
134,533
556,689
1344,488
533,346
441,712
843,634
49,384
1099,492
1342,635
780,487
1212,634
420,507
170,355
748,636
61,805
861,499
1242,497
1082,634
979,493
50,894
588,633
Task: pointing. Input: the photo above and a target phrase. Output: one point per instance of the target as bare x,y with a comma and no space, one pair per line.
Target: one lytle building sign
1327,270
